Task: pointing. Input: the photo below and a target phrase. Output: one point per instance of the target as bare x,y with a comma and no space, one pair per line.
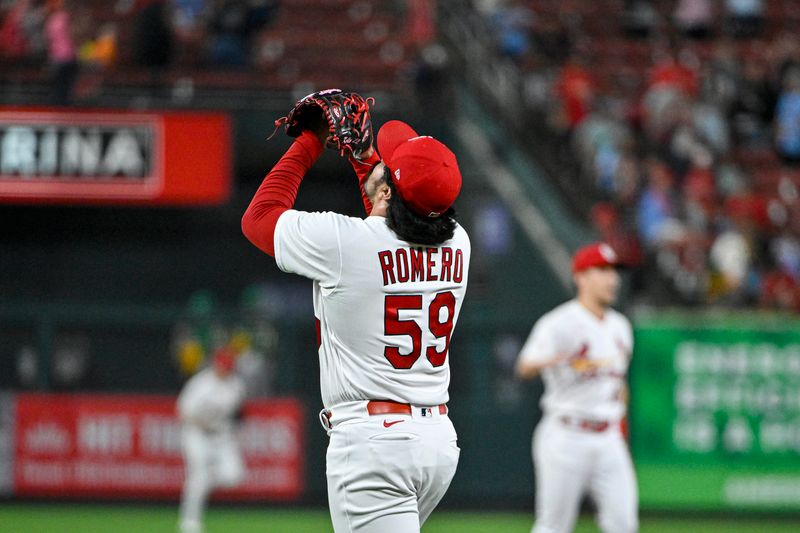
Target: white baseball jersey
211,401
591,382
385,309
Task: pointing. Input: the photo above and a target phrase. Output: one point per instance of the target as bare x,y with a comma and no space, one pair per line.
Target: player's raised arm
278,191
363,167
333,118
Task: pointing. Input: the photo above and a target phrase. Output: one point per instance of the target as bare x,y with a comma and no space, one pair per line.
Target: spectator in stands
779,291
731,257
600,141
575,89
101,52
420,26
513,24
721,74
784,58
61,52
433,88
700,193
675,70
188,21
187,15
608,223
671,84
657,208
779,286
628,178
786,251
694,18
152,36
228,33
711,126
13,38
744,17
787,117
233,23
551,38
752,109
639,18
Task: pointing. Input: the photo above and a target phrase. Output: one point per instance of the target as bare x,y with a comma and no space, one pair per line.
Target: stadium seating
307,43
622,69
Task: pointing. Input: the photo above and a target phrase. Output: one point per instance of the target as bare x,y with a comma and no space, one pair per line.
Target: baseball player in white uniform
582,348
206,408
387,293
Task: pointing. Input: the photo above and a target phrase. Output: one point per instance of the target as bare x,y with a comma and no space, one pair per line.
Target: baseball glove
346,114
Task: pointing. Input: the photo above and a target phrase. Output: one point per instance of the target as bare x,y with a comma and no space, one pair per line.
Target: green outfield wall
715,411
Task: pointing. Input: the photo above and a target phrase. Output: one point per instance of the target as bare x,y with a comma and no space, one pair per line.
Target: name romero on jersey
404,265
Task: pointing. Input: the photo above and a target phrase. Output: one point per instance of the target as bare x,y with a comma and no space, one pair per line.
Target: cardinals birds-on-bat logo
581,362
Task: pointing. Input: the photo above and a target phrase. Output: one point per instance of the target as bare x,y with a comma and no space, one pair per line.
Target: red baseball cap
598,254
224,360
424,171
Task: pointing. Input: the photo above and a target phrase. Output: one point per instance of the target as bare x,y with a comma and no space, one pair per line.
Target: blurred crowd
216,32
684,116
70,36
247,43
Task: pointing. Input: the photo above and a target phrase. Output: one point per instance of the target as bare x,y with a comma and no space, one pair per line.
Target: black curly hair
413,228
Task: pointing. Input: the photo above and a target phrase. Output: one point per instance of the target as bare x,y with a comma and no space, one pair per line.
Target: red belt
388,407
384,407
596,426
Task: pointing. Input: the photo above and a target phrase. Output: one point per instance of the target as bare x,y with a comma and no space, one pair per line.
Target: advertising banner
6,443
715,412
114,157
107,446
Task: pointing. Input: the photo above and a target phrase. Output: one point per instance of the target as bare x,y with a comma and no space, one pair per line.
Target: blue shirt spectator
787,117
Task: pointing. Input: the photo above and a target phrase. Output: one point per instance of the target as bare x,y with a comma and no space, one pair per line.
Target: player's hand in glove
345,114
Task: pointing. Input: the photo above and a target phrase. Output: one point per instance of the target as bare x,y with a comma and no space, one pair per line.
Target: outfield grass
38,518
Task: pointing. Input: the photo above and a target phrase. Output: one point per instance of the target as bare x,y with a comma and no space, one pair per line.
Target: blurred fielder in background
387,293
583,348
207,408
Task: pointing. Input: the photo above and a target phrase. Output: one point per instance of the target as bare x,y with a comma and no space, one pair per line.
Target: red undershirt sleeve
363,169
278,191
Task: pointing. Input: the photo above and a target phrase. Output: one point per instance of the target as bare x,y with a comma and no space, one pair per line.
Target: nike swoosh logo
388,424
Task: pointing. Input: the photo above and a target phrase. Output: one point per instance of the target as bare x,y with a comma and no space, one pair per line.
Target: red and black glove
345,113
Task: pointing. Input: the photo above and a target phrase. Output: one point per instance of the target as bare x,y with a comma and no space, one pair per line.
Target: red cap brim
391,135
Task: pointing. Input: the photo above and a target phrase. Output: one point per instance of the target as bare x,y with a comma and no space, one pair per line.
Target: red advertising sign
107,446
114,157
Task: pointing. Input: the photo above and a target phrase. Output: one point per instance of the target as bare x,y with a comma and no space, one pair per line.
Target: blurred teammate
207,406
582,348
387,294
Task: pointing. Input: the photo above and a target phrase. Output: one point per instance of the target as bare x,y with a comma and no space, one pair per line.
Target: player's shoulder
619,318
460,236
199,379
558,317
563,310
326,225
319,217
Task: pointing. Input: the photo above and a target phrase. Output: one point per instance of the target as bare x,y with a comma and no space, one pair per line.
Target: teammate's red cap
424,171
598,254
224,360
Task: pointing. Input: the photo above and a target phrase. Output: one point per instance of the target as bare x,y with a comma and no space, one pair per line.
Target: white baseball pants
570,462
211,460
386,473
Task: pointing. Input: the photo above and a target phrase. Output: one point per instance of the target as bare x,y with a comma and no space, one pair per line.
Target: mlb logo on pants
427,411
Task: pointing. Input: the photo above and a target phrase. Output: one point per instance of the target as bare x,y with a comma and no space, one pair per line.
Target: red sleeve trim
278,191
363,169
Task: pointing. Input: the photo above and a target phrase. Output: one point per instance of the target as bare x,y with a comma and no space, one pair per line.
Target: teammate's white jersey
590,382
209,401
386,310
